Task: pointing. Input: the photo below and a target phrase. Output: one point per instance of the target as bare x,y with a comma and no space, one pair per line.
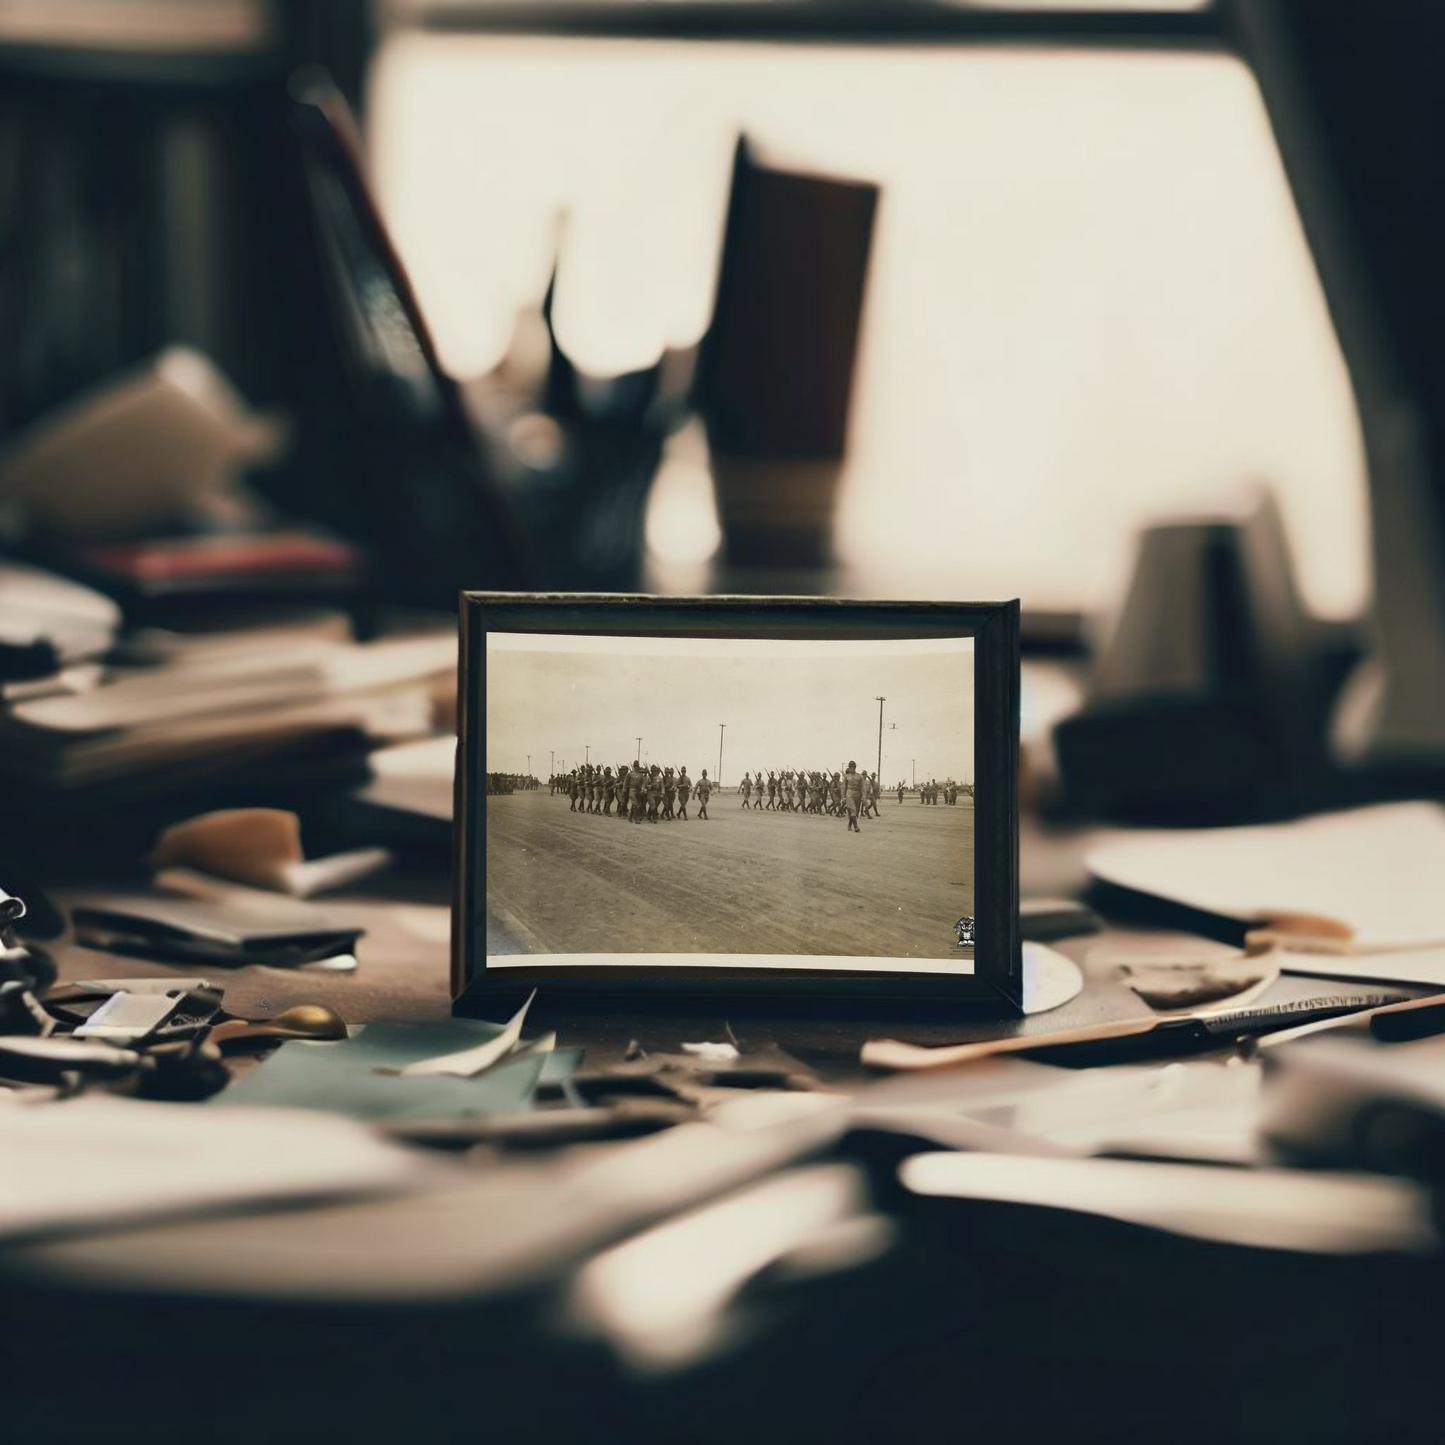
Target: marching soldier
703,789
669,794
853,795
684,792
772,791
747,790
609,791
654,792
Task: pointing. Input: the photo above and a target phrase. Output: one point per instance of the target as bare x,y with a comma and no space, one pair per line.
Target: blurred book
150,25
222,562
407,802
222,708
47,621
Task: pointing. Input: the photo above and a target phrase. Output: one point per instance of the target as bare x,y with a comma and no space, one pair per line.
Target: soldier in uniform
684,792
746,788
636,793
853,795
703,789
900,795
669,794
609,787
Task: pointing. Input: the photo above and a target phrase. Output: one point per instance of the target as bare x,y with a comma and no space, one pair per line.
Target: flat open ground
738,882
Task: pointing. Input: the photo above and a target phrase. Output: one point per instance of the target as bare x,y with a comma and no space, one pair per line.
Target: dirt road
738,882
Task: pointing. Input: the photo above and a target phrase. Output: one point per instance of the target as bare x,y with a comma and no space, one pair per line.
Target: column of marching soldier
660,794
640,794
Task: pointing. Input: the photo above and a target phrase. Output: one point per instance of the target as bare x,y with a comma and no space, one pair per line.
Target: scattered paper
1354,874
713,1053
1281,1209
468,1063
1173,986
259,847
365,1076
98,1162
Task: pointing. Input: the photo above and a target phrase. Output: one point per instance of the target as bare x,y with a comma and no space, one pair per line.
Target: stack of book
179,719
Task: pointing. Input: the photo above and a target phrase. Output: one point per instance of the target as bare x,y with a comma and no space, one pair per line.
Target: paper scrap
468,1063
713,1053
1300,1210
96,1162
1359,869
364,1077
258,847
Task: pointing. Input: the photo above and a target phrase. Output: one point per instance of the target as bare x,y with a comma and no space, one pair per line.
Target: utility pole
914,761
587,747
529,765
879,773
553,751
720,728
639,750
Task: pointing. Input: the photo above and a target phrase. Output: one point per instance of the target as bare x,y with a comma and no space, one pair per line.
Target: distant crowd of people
931,792
511,783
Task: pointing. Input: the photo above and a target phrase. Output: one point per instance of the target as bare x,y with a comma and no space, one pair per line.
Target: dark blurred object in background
384,423
1210,693
776,369
141,195
161,187
1353,95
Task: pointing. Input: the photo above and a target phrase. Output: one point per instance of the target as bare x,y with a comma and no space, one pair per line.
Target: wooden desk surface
404,974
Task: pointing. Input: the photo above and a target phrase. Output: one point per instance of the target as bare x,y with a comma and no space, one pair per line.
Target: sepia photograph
747,802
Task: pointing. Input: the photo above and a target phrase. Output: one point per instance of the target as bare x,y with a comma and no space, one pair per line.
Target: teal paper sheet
342,1077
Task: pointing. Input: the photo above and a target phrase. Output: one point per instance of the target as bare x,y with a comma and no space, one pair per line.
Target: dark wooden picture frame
996,981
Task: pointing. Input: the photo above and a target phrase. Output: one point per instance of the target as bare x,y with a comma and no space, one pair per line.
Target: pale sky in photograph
784,706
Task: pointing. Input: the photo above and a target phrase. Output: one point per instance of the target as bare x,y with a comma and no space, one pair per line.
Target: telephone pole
720,728
639,750
529,765
587,748
879,773
554,762
914,761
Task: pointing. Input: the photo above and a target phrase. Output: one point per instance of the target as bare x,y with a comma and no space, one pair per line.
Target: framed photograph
743,796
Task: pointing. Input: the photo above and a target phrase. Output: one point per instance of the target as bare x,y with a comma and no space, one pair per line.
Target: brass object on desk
300,1021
